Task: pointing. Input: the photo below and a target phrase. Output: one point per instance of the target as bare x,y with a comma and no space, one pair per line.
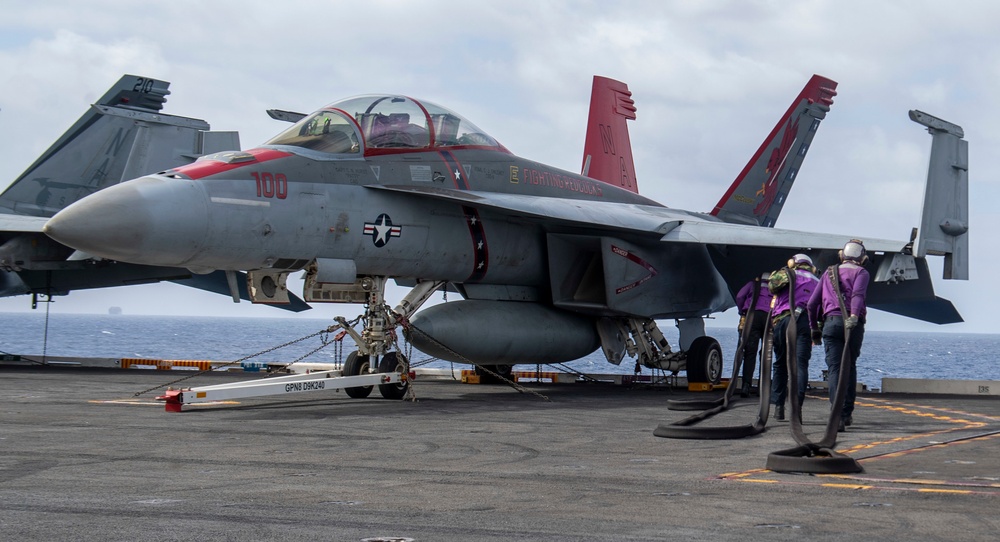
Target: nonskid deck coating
85,459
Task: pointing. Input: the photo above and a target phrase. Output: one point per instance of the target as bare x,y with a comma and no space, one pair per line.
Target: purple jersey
853,286
745,296
805,283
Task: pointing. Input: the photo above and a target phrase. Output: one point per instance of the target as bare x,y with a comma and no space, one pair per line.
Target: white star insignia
382,231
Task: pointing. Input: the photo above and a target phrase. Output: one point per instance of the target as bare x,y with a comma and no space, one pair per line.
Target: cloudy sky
709,79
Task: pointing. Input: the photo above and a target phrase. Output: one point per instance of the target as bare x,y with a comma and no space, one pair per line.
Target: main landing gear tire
393,362
354,366
704,360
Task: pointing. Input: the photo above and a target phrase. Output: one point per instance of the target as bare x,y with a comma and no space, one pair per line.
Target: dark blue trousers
833,342
752,345
803,347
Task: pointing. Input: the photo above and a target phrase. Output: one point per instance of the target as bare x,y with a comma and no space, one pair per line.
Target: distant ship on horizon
114,310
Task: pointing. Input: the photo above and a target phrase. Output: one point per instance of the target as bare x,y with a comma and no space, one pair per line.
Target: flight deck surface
84,459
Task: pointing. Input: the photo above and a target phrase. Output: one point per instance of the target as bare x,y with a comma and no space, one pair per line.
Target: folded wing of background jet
123,135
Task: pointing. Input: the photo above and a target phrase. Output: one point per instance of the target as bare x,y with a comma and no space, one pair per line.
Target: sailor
828,322
781,314
757,316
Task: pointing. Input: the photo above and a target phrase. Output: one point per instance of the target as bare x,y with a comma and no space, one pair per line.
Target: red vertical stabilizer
607,153
759,192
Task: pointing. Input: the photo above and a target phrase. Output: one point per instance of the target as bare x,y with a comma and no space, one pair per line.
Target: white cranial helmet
854,251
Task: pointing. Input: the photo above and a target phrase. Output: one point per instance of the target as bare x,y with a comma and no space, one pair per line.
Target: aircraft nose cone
152,221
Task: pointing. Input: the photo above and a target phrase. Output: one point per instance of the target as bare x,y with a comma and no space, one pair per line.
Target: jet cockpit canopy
376,124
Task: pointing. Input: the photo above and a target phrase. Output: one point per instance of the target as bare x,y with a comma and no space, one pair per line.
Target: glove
743,321
817,336
851,322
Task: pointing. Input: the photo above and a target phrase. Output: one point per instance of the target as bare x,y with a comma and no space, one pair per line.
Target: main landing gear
641,338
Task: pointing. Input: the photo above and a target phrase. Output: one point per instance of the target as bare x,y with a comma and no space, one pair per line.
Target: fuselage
331,188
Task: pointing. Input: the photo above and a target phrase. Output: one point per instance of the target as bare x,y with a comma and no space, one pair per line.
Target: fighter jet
550,265
123,135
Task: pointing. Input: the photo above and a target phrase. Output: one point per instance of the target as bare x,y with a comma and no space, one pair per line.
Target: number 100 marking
271,185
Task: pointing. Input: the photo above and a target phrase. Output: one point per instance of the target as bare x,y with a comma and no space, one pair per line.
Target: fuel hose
688,427
815,457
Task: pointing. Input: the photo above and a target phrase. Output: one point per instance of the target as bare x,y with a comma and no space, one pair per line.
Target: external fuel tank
502,333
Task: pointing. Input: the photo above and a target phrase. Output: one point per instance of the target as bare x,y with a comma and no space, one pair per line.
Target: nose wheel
355,365
393,362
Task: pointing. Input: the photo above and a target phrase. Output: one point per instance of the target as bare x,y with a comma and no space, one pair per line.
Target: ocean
962,356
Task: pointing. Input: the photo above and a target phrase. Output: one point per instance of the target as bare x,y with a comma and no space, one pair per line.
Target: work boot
842,427
745,391
779,412
848,421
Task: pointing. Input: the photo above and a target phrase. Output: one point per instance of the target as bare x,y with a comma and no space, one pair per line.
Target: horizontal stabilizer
935,311
910,294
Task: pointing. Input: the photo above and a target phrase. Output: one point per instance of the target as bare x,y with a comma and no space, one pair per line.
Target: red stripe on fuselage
455,170
207,168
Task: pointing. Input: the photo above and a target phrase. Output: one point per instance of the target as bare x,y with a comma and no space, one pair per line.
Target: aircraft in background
551,265
122,136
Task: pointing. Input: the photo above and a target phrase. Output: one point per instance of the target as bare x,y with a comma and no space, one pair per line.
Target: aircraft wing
645,220
719,233
901,282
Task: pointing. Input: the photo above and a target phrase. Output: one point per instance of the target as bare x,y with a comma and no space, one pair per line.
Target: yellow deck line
961,420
